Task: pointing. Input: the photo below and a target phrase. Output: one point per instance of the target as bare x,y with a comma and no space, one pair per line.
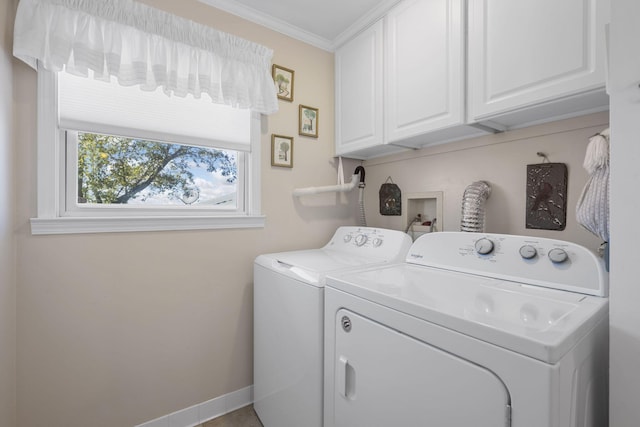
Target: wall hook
544,157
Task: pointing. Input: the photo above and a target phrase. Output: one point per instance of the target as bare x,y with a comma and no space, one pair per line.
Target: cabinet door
386,378
358,65
424,71
527,52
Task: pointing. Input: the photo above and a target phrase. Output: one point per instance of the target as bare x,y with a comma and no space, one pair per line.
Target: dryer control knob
361,239
558,256
347,238
528,252
484,246
377,242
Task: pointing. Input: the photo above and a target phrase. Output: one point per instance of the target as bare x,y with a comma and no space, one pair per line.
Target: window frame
52,217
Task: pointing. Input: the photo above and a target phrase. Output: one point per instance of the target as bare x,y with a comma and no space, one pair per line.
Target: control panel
372,241
528,260
484,246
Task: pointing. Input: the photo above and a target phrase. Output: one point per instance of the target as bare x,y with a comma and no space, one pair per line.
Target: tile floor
243,417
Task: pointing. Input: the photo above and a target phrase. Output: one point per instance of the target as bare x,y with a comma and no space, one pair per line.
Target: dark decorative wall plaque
546,196
390,198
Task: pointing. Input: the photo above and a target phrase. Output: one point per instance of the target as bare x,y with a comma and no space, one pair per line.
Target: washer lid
349,248
538,322
311,266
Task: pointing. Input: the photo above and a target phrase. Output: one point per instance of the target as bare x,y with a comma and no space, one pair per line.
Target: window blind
96,106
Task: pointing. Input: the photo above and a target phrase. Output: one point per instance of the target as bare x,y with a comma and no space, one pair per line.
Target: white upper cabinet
434,71
425,72
358,66
417,53
532,60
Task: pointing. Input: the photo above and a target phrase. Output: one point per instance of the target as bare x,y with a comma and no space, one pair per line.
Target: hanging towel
592,211
340,172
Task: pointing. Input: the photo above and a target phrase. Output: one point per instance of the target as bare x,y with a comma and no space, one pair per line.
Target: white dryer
288,320
472,330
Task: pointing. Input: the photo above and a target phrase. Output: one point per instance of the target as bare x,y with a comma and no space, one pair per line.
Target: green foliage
310,114
114,169
283,84
285,148
281,79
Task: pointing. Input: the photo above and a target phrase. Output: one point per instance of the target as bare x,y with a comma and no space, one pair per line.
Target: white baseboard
205,411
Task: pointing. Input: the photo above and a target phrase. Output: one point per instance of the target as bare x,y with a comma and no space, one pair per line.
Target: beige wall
7,240
117,329
501,160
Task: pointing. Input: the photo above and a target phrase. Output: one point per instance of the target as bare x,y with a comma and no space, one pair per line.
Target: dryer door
385,378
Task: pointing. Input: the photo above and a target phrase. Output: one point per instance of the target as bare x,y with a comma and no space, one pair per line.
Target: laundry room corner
499,159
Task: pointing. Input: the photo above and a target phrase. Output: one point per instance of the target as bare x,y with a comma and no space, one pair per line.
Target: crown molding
366,20
270,22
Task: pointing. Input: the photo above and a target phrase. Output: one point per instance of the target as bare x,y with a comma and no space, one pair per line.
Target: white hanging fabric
144,46
340,172
592,211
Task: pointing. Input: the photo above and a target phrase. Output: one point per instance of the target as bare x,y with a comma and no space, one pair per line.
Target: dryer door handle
346,378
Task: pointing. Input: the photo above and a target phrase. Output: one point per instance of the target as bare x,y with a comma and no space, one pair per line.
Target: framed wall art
546,196
283,78
308,121
281,151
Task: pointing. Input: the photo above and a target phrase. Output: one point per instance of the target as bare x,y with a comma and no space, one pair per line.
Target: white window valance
141,45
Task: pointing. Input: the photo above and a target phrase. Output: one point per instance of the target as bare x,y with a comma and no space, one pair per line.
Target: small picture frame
283,79
308,121
281,151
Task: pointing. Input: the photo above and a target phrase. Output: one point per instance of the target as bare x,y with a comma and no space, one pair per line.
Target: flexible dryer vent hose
473,200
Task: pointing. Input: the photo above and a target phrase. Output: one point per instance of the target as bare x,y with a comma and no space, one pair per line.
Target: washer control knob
484,246
377,242
361,239
347,238
558,256
528,252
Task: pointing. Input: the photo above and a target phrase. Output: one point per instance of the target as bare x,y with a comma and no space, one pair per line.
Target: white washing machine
288,320
472,330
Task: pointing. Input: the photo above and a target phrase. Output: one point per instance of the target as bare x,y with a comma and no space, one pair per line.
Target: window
115,173
115,158
144,48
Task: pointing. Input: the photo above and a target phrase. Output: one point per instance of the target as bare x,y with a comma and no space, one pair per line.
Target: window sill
76,225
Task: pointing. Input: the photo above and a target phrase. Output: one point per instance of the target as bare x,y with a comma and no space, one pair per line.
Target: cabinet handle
346,378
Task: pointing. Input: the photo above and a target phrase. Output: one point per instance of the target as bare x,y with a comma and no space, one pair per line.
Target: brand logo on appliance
416,256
